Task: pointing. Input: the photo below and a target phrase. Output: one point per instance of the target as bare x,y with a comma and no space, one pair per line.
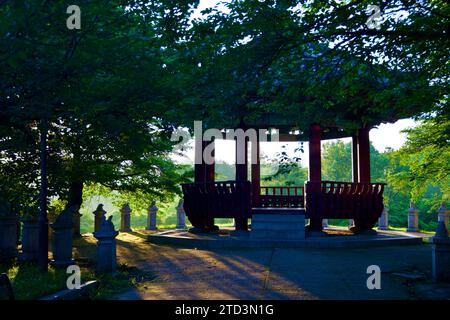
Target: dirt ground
280,273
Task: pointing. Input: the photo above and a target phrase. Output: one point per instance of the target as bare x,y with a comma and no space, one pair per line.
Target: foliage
426,157
337,161
114,91
287,167
419,171
393,168
103,89
302,62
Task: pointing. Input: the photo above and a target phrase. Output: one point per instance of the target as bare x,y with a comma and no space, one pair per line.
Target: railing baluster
282,196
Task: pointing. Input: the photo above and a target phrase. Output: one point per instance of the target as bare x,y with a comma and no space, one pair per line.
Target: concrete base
333,239
239,233
198,230
280,224
316,234
68,294
370,232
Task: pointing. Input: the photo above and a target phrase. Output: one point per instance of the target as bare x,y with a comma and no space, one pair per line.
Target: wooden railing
227,199
324,200
345,200
282,197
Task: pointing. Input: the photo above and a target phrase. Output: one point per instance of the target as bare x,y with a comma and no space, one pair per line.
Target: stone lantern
181,215
62,239
383,222
443,214
106,242
30,235
413,218
99,213
125,222
151,218
441,253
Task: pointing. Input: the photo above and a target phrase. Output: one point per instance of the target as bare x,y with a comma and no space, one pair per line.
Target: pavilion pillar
355,166
210,176
315,169
363,156
315,165
199,166
242,161
204,172
256,173
210,167
241,175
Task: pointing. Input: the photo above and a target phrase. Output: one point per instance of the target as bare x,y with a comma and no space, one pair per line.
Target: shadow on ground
340,273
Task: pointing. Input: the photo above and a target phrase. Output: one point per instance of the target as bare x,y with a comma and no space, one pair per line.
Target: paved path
276,273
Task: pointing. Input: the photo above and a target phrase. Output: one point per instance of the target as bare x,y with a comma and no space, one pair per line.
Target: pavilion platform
331,238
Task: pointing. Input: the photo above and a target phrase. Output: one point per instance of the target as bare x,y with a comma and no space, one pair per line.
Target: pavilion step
276,226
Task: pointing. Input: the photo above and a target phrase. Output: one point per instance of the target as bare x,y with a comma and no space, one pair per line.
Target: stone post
151,218
62,239
441,253
383,222
30,240
181,215
413,218
99,213
8,232
77,223
324,223
443,214
125,221
106,246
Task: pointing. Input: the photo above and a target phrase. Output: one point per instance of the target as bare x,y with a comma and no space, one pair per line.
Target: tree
337,161
104,90
284,169
310,62
425,160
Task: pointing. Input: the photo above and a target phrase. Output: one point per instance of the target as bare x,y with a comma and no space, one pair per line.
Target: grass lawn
404,230
29,283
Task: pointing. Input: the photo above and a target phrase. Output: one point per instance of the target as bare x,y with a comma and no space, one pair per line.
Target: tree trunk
75,194
76,199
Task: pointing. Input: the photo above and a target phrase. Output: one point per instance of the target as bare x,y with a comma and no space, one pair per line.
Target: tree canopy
103,89
293,63
114,91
